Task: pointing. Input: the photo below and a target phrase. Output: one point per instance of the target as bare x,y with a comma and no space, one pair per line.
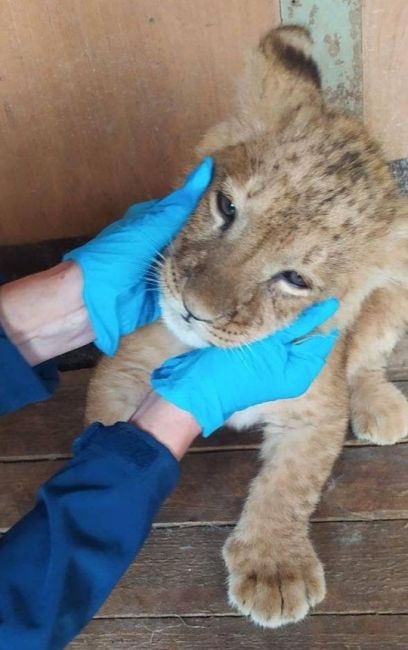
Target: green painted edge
335,26
400,171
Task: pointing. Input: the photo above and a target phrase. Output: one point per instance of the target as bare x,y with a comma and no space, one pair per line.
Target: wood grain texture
367,483
102,103
385,57
231,633
181,571
46,430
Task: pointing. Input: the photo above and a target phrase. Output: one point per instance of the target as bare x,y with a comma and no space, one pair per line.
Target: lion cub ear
281,86
281,78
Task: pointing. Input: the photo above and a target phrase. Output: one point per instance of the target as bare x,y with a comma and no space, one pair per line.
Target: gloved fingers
310,369
175,367
150,226
165,370
301,371
187,197
134,212
309,320
137,307
317,346
106,328
197,182
166,218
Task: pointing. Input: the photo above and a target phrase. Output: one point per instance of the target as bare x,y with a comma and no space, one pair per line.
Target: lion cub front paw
273,589
379,414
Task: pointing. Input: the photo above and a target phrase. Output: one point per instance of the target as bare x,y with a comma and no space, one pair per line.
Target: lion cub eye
227,210
293,278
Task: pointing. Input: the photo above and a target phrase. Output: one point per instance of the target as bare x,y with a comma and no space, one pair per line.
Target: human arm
40,316
212,384
92,517
104,289
44,314
61,561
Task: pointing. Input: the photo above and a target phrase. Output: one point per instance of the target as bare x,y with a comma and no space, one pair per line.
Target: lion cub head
301,207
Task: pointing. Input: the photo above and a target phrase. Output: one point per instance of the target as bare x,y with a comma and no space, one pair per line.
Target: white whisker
152,275
154,282
154,285
243,357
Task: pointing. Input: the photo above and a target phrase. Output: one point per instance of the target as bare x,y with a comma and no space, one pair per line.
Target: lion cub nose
196,309
190,316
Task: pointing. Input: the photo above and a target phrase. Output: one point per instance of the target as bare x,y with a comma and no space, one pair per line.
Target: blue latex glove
118,295
213,383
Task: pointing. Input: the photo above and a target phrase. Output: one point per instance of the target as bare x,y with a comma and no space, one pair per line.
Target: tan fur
313,194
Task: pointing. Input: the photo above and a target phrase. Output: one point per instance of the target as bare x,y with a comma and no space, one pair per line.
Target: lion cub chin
301,207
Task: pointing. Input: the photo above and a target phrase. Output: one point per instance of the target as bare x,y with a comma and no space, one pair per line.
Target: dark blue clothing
60,562
19,384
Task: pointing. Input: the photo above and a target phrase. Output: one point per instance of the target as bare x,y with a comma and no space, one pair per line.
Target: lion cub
301,207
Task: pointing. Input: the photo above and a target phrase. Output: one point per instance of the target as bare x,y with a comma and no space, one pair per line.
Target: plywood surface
102,103
385,57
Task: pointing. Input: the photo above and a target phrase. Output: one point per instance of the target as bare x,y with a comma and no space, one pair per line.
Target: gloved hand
120,293
213,383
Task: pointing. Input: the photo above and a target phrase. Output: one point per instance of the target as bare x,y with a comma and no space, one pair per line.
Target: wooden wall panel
385,57
102,103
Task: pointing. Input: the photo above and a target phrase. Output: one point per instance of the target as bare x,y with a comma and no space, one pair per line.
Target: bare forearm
174,428
44,314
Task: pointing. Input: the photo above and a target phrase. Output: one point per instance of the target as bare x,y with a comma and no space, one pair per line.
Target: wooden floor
174,596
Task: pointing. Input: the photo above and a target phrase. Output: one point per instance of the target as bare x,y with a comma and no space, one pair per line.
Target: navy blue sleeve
19,383
61,561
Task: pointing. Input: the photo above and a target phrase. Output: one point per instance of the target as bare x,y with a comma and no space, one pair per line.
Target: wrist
174,428
44,314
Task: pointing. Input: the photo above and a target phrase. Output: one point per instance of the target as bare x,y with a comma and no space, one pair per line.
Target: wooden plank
385,47
181,571
398,363
46,430
367,483
335,26
102,103
230,633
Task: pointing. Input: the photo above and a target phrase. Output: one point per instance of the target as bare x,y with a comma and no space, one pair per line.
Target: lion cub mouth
191,330
192,333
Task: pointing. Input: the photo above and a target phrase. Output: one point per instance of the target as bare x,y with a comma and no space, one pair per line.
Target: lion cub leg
120,383
275,575
379,411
